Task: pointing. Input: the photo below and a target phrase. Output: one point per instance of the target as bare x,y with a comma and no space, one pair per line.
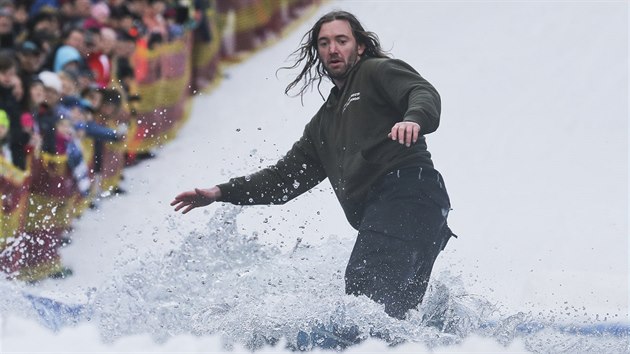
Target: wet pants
401,234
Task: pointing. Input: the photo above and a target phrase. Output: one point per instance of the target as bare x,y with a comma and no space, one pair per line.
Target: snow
533,147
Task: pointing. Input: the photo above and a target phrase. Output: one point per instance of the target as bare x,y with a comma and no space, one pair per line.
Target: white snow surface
533,146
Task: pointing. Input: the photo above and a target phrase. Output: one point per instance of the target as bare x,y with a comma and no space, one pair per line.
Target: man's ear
361,49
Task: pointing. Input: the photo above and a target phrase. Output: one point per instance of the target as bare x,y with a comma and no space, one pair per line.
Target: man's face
30,62
76,40
82,8
6,24
6,77
337,48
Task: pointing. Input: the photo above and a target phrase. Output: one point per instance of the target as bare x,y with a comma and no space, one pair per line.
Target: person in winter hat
67,57
48,112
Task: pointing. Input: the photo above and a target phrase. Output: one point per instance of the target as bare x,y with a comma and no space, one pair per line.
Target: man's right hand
196,198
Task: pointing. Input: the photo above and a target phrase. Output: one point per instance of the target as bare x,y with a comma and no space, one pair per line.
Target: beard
343,71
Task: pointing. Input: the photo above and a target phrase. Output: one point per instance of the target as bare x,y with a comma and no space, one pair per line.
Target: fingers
195,198
179,205
401,133
184,200
416,133
409,136
406,133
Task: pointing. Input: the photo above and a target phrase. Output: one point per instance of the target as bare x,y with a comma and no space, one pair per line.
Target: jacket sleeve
98,132
295,173
416,97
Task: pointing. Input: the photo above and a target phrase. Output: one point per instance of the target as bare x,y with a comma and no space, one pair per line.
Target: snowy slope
533,146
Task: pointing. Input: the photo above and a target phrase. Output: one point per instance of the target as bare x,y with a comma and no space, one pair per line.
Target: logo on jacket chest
353,97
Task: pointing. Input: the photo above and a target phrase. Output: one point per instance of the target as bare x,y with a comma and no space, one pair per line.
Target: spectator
45,22
125,73
97,60
48,44
93,95
10,95
67,57
82,8
86,78
43,6
34,98
66,14
48,114
153,19
121,19
30,59
75,37
69,85
64,133
29,55
202,31
175,22
100,134
7,36
5,150
110,109
66,142
99,16
19,11
108,41
138,8
108,114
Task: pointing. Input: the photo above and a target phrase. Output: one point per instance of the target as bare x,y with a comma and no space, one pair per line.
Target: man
7,37
368,140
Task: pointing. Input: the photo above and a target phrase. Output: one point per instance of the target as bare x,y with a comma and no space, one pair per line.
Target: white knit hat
51,80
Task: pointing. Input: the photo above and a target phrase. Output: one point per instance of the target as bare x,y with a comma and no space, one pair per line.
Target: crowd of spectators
66,71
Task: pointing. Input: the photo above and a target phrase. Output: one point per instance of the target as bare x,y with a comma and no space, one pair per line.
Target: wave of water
221,282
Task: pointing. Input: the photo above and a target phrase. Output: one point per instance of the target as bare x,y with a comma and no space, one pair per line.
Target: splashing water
219,281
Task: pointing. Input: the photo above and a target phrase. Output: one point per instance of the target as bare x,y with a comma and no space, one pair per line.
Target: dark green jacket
346,141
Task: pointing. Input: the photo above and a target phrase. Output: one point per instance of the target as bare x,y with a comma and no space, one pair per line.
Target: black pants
401,234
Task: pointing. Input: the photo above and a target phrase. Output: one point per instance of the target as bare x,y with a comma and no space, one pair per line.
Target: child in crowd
35,97
67,58
107,114
67,142
48,114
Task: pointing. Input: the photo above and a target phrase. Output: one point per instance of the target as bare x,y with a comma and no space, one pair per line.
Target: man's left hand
405,132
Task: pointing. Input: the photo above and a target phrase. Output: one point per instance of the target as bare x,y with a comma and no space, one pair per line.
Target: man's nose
332,48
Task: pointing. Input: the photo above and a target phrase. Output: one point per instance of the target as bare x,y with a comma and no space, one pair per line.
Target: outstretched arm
196,198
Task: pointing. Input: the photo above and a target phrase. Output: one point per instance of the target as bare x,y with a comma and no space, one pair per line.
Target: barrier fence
39,204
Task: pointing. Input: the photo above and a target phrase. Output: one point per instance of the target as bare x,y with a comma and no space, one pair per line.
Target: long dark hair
314,70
